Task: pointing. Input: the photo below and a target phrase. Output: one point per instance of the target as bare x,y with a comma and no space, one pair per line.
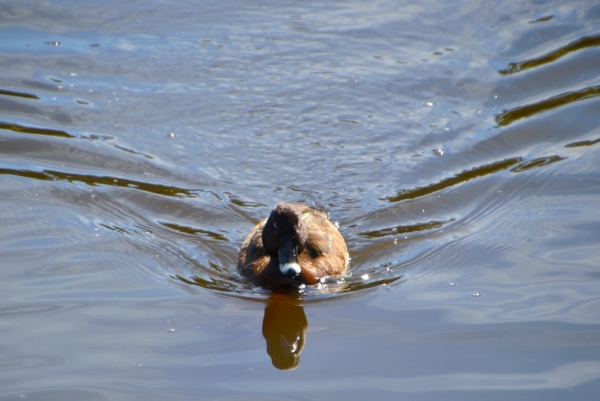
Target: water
455,143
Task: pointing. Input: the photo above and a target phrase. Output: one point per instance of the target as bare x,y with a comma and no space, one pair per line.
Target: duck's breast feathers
324,253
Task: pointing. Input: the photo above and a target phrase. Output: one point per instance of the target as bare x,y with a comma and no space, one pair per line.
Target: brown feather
324,254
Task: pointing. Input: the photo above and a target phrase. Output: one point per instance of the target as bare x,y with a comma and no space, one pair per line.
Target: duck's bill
288,257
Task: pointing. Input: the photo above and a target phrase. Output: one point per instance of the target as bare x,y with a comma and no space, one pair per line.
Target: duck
295,245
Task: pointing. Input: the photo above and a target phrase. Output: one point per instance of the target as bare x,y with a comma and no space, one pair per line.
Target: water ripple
581,43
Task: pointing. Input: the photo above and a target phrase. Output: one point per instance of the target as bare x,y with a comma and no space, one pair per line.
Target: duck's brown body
321,248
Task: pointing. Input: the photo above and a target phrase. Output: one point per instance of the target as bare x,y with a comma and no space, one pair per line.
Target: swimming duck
295,245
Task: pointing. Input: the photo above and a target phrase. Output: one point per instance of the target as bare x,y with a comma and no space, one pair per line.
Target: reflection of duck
284,328
295,245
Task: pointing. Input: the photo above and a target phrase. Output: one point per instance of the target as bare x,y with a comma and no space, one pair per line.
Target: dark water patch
582,143
93,180
539,162
224,286
194,231
460,178
359,286
18,94
510,116
242,203
387,232
124,149
542,19
118,229
33,130
581,43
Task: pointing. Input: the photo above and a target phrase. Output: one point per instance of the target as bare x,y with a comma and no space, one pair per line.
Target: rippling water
456,144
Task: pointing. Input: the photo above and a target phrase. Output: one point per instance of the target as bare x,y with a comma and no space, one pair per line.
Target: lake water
456,144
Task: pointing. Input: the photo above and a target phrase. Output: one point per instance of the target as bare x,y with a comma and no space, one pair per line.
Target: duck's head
284,236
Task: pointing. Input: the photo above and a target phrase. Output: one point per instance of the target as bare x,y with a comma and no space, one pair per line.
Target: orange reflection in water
284,329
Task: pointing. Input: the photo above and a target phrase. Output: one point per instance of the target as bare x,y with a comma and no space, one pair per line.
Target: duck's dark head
284,236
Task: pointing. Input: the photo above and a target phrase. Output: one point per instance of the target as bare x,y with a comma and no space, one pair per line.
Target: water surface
456,144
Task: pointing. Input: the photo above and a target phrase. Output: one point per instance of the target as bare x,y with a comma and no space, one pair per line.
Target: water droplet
451,283
478,111
438,152
90,90
476,294
172,330
429,104
395,240
73,74
61,87
171,135
336,224
365,277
